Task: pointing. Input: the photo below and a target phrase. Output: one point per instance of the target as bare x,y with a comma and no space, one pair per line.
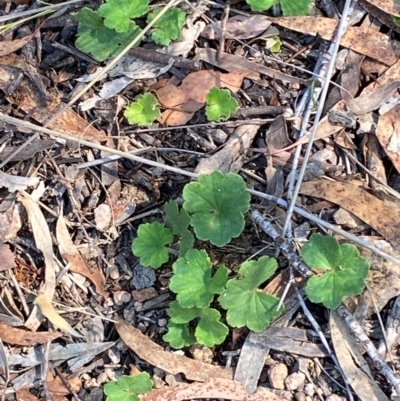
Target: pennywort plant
220,105
289,7
128,388
105,32
214,210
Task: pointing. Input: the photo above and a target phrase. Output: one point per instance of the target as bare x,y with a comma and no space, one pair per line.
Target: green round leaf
220,104
144,111
217,203
118,13
344,269
192,280
210,331
321,252
126,388
178,335
168,27
150,243
261,5
246,304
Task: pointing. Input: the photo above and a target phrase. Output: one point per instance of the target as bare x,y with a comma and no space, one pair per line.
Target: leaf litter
63,235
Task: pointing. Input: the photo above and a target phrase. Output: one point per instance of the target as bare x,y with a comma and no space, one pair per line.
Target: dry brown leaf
31,102
12,335
391,7
359,39
197,84
16,183
380,15
388,134
56,385
239,26
6,258
232,156
355,199
10,218
231,62
353,364
155,355
25,395
52,315
212,388
384,276
10,46
365,103
78,264
41,234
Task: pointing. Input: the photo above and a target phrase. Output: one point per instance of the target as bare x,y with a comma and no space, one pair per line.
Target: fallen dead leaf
10,218
56,386
353,364
42,236
212,388
14,336
357,200
390,7
388,134
29,101
10,46
231,62
384,276
359,39
6,258
379,14
171,363
365,103
25,395
16,183
52,315
72,255
239,26
232,156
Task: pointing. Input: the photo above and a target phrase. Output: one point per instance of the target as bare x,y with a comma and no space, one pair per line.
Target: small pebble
277,375
121,297
162,322
309,389
295,381
334,397
201,353
300,396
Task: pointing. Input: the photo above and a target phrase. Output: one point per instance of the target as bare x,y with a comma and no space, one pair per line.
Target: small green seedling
193,281
127,388
273,44
217,203
289,7
209,331
144,111
95,38
340,270
247,305
220,104
168,27
150,243
104,33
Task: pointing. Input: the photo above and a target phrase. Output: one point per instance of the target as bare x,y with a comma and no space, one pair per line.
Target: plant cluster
214,208
105,32
220,104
